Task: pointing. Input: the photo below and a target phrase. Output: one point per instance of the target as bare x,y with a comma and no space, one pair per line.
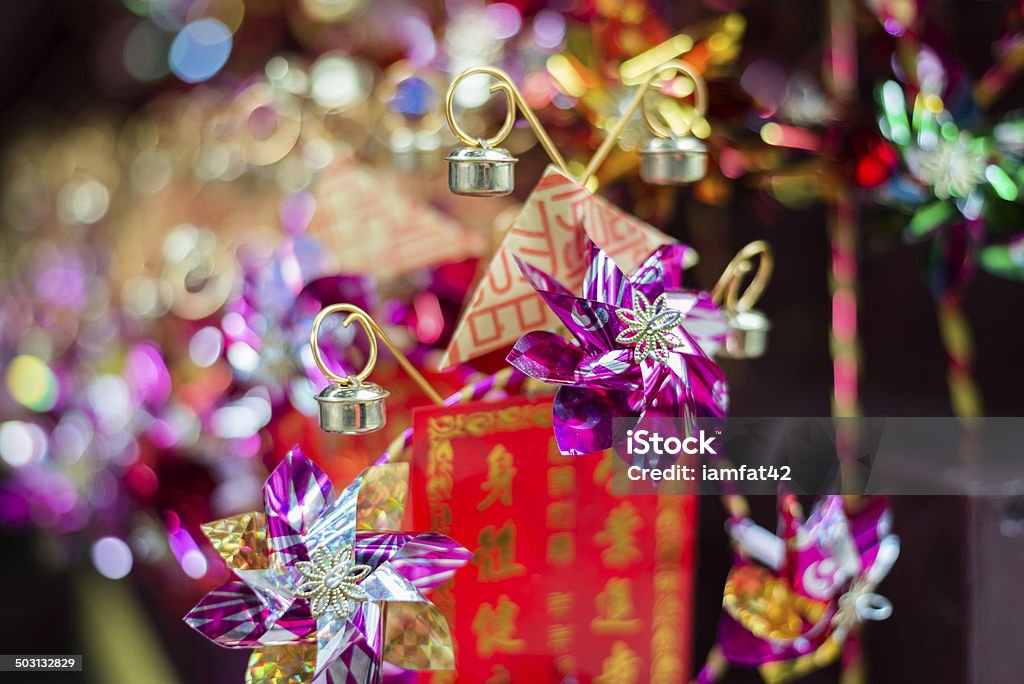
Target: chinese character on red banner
566,579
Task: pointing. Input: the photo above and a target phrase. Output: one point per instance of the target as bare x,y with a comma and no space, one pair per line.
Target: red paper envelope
566,579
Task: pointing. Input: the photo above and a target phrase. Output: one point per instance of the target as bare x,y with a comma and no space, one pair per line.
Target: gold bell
351,405
481,171
673,161
353,408
747,337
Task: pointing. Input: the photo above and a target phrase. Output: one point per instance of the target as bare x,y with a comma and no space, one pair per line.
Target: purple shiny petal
374,548
703,320
594,324
661,271
358,657
295,495
231,615
706,387
547,357
603,281
539,280
612,370
584,419
428,560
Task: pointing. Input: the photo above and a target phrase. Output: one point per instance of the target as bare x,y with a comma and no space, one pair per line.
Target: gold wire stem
637,102
373,332
514,99
726,290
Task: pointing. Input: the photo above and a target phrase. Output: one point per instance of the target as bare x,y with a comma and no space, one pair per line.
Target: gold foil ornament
382,497
290,664
767,606
241,540
418,637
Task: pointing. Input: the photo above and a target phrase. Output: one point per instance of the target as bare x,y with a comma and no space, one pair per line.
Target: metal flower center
331,582
649,327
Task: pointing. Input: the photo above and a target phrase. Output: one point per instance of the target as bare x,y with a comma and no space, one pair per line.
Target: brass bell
481,171
673,161
747,337
353,408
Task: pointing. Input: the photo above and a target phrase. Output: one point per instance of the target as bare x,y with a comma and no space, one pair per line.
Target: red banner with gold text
567,580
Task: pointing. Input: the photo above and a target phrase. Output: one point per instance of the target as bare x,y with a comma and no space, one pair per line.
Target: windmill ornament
327,591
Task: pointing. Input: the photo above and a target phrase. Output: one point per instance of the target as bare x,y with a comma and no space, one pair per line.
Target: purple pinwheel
809,587
637,349
326,592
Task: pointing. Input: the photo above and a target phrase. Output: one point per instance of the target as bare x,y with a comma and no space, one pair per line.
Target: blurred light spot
148,373
504,19
296,212
145,53
71,437
317,153
566,75
112,557
150,171
109,398
146,297
83,202
194,563
242,419
548,29
331,10
184,547
892,27
338,82
771,133
205,347
243,358
21,443
31,383
200,50
415,32
228,12
234,324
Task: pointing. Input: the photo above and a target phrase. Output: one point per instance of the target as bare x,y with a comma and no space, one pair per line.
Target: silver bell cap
353,408
673,161
481,171
748,335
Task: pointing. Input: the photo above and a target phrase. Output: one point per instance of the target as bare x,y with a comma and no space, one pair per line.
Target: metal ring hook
355,314
726,290
373,332
637,102
514,100
700,94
